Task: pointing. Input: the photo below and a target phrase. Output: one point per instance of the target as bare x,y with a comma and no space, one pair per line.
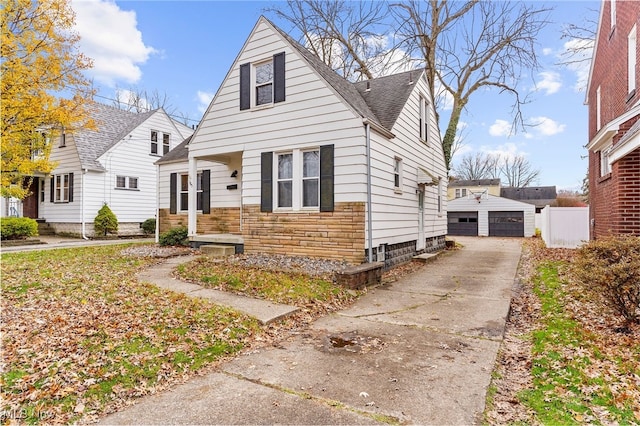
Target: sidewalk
420,351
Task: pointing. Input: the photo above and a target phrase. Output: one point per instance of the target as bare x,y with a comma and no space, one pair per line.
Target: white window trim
254,84
127,183
179,191
631,60
166,147
598,109
59,186
153,142
422,121
605,166
613,14
296,179
397,170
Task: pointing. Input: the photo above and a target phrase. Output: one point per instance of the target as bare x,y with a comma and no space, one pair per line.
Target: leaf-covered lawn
294,288
565,360
80,335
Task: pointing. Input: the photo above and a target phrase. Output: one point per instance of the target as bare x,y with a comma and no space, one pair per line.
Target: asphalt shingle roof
474,182
380,100
111,125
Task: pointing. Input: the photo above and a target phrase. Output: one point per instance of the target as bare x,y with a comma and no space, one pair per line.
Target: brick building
614,128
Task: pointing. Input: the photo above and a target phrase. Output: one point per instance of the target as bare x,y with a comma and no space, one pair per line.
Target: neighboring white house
487,215
291,158
112,164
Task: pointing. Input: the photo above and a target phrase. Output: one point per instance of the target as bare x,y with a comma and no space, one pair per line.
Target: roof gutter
378,128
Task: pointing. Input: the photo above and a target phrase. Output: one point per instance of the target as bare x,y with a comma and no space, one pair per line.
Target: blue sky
184,49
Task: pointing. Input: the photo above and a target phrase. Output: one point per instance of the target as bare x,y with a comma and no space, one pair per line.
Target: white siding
68,162
492,203
311,116
131,157
395,214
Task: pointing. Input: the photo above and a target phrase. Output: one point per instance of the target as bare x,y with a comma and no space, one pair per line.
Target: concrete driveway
420,350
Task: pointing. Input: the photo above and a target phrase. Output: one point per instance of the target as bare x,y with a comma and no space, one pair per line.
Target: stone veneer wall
331,235
75,229
397,254
219,221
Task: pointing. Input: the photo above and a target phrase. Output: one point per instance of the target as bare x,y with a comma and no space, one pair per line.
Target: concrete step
215,250
45,229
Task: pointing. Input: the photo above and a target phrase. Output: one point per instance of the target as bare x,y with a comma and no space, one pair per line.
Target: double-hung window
61,188
184,192
165,143
631,60
605,167
264,83
397,174
422,122
297,176
154,142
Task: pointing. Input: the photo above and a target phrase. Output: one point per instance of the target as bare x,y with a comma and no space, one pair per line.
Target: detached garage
488,215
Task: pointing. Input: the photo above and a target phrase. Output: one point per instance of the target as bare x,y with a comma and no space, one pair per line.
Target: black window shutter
266,182
326,178
173,193
278,78
245,86
52,189
70,187
206,191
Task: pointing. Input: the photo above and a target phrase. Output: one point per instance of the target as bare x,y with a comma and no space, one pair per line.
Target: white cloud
500,128
111,38
547,51
550,82
544,126
507,150
577,53
204,99
128,97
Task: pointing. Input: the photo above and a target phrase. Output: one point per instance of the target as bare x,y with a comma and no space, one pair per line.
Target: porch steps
214,250
44,228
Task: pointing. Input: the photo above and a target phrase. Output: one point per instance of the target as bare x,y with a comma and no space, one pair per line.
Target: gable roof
177,154
384,100
111,125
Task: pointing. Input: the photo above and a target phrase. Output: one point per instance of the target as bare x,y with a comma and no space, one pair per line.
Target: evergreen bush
149,226
175,237
17,228
105,222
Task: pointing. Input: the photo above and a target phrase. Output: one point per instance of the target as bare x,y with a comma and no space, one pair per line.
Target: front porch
232,240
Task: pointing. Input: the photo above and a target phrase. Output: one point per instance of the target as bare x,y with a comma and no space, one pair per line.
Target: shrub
149,226
175,237
18,228
105,222
611,267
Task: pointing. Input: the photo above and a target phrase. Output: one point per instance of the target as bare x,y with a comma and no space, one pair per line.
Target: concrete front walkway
420,351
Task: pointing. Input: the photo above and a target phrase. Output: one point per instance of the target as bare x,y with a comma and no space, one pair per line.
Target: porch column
193,194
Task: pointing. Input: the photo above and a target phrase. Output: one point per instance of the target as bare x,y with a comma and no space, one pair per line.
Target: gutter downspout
157,231
367,128
82,221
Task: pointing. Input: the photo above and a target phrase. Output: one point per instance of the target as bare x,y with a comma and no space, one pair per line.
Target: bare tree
140,100
514,171
580,38
348,36
517,171
464,46
477,166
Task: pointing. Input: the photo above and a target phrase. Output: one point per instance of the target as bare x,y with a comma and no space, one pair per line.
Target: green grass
80,334
569,384
282,287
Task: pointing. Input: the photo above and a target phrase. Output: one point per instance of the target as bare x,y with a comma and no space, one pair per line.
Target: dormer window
263,82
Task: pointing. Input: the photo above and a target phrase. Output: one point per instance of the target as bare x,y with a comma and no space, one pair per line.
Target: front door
421,242
30,203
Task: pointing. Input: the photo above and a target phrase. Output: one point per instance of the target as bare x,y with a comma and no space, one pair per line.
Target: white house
112,163
291,158
481,214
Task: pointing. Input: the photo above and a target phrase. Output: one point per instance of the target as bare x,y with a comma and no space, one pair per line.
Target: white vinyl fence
564,227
